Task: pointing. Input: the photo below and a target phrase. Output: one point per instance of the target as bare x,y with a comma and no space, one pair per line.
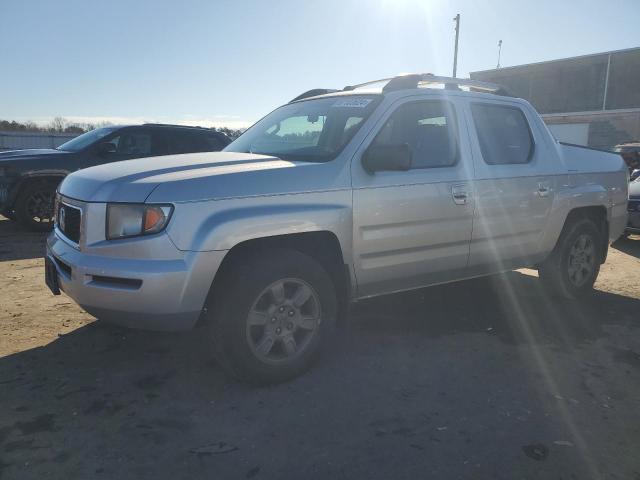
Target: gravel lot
482,379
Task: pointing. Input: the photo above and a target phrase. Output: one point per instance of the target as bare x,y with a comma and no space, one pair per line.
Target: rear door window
185,141
214,142
503,134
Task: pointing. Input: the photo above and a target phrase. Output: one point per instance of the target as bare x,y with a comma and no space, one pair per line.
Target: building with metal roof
590,100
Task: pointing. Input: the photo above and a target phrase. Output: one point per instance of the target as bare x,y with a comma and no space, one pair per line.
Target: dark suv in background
29,178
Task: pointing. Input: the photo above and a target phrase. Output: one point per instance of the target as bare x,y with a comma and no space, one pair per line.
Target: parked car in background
630,152
29,178
331,199
633,208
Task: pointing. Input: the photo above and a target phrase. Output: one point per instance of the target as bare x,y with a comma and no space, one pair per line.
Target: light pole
455,51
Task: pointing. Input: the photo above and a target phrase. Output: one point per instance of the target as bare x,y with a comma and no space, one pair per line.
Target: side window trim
449,107
532,140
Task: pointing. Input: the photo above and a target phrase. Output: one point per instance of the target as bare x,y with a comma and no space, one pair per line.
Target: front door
412,228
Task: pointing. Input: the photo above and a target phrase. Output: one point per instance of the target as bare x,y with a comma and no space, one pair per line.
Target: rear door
412,228
515,186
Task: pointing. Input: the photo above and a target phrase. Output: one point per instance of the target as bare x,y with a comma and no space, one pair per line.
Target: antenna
499,52
455,51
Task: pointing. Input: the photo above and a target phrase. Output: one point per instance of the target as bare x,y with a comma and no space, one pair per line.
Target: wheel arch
33,177
596,213
321,245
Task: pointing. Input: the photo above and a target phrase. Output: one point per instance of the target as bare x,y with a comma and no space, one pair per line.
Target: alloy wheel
582,260
283,320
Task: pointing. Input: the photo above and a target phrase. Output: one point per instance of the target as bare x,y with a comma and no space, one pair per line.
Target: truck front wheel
573,266
270,315
34,205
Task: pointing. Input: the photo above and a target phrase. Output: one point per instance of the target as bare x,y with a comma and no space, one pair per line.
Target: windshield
312,130
86,139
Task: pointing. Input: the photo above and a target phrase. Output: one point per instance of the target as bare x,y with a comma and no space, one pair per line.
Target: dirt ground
487,378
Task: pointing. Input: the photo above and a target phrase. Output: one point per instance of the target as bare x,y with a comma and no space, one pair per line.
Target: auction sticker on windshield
352,103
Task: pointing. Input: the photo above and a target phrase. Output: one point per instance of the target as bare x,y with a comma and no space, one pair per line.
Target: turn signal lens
134,219
154,219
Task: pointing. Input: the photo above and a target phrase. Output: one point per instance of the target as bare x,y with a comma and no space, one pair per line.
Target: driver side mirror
106,147
387,158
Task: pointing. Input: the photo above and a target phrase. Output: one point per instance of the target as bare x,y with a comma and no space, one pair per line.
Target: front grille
4,193
68,220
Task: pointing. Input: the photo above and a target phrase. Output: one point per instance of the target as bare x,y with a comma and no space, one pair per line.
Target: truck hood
185,178
14,156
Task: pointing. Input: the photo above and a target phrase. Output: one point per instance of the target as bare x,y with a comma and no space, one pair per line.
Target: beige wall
606,129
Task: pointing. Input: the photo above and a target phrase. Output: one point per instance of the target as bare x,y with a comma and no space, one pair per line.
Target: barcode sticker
352,103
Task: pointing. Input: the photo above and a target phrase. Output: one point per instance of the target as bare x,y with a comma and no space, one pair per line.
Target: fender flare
227,228
569,200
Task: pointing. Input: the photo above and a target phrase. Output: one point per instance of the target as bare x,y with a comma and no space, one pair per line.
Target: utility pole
499,52
455,51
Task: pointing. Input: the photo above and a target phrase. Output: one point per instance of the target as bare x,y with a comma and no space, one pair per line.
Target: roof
579,57
159,125
177,126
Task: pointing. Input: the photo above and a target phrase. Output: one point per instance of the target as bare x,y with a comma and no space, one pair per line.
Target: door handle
543,189
459,194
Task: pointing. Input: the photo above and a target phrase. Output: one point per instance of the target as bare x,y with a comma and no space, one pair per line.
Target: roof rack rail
314,92
413,80
370,82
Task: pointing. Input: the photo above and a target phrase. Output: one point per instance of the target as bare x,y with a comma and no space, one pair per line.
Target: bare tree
58,124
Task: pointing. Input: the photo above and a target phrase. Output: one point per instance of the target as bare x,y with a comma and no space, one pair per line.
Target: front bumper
154,294
634,223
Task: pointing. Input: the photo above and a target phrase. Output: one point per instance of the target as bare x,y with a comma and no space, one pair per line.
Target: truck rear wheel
573,266
271,315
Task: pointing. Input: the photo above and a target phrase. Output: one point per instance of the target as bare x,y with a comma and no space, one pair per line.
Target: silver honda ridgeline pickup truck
337,196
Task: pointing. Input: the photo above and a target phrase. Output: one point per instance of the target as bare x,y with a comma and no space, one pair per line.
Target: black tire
8,214
241,288
34,205
559,272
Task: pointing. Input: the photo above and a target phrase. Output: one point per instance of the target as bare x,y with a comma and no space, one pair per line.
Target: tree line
62,125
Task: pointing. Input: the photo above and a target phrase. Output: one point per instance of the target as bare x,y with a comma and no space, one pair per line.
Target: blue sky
230,62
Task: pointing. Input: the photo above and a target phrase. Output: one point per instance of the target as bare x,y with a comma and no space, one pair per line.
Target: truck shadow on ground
18,243
160,390
513,306
630,245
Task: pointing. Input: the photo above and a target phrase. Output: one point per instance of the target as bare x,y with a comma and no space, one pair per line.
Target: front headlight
134,219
